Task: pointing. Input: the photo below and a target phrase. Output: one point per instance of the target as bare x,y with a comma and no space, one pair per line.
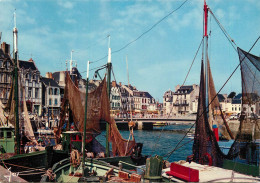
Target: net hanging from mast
98,109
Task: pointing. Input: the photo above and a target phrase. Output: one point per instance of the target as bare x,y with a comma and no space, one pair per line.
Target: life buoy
207,158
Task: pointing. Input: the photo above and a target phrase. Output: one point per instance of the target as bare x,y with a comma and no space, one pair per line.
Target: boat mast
16,94
85,124
109,65
205,36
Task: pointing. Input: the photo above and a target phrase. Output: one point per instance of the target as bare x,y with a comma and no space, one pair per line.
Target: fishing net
9,111
98,109
205,146
216,116
249,123
249,129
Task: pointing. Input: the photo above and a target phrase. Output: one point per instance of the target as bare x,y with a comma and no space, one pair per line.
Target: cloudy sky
158,61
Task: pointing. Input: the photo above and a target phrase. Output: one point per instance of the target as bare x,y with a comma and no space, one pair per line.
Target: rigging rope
232,42
158,138
192,63
214,97
145,32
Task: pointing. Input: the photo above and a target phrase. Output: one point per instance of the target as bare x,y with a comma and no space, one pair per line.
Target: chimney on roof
177,87
113,83
6,48
48,75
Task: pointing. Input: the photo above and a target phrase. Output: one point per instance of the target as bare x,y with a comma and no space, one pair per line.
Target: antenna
14,18
108,40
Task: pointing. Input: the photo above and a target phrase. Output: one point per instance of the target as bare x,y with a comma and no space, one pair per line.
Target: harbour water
161,141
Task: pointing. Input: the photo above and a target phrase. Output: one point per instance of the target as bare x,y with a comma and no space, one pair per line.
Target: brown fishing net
205,146
98,109
216,116
24,120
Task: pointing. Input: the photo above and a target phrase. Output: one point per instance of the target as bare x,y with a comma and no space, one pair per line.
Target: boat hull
33,165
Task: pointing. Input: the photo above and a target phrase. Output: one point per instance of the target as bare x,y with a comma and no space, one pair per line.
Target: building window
36,92
55,91
50,91
29,92
49,101
56,101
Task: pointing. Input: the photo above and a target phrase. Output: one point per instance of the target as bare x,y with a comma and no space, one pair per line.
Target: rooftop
49,82
27,64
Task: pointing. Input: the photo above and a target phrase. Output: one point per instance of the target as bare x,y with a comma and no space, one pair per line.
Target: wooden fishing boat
210,163
29,166
159,124
96,160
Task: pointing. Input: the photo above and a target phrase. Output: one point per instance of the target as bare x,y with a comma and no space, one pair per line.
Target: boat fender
207,158
190,158
74,158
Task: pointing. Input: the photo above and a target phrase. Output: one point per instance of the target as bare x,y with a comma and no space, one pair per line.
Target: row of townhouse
184,100
124,98
233,105
40,94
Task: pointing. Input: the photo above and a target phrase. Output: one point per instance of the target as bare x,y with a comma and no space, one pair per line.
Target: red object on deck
184,173
215,130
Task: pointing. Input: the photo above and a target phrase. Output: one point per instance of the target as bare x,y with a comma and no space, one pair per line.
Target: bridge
148,123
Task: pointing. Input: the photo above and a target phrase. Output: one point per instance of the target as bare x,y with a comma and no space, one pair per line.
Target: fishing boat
240,161
88,110
159,124
15,131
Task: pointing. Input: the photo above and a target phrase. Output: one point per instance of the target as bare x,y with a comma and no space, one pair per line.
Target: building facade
181,102
51,98
30,80
167,102
6,68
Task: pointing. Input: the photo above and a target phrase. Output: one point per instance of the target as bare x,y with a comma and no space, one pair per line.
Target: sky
48,30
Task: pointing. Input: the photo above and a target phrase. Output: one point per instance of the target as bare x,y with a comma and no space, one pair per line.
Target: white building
51,98
185,99
167,102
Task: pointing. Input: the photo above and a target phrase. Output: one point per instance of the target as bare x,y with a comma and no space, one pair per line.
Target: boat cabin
73,140
7,138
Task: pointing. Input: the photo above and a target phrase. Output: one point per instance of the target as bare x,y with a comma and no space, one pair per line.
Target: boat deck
5,175
213,174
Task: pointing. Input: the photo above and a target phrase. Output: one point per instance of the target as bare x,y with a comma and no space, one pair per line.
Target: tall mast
109,66
85,124
71,61
16,94
205,36
129,92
